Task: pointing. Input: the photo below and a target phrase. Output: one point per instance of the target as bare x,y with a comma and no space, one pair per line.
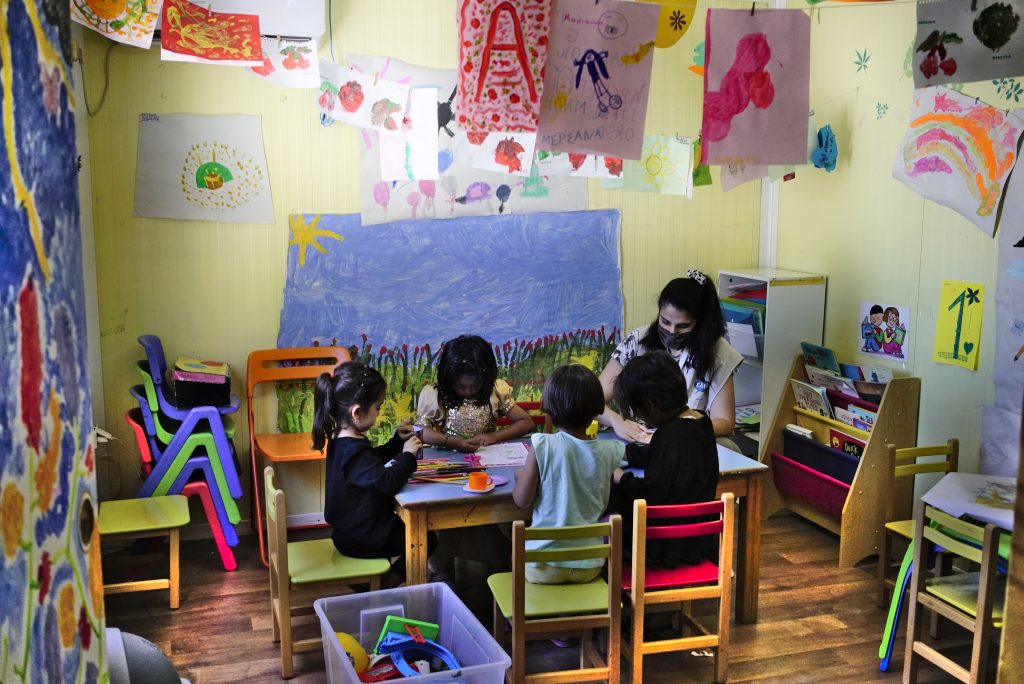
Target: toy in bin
412,649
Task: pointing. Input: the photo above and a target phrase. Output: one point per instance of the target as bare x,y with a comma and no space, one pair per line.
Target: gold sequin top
467,419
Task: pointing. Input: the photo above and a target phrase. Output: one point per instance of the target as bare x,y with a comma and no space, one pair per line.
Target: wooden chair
903,463
545,610
647,585
972,600
541,420
150,517
305,563
275,365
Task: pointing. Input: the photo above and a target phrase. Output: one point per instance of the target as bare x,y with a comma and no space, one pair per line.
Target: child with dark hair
461,410
681,462
567,478
362,480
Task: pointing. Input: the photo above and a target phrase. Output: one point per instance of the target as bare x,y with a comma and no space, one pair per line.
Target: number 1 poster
958,323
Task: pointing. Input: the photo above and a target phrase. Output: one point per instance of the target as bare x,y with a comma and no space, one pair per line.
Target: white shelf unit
794,313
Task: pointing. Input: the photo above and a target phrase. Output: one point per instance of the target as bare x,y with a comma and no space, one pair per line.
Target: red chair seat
704,572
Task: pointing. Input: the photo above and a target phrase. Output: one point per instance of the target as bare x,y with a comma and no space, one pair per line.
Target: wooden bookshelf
865,506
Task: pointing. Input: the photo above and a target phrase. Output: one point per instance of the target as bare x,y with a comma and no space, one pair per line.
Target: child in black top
362,480
681,462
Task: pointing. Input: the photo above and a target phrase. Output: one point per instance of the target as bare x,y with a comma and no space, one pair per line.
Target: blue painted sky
502,277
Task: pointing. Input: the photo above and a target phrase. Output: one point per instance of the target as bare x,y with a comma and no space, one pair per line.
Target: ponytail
324,424
353,384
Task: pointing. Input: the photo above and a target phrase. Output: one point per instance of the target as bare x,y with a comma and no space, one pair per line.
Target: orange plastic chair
275,365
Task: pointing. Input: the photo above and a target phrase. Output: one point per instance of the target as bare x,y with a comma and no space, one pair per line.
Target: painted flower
44,576
677,19
66,616
12,506
54,520
84,628
95,566
46,469
31,363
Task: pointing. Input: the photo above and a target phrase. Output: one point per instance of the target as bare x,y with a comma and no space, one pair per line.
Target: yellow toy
356,653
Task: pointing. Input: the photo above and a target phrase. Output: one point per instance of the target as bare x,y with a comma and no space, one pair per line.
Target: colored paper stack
201,383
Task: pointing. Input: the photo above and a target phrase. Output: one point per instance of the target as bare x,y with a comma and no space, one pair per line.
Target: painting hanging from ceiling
666,167
674,21
597,78
756,80
288,62
202,167
361,99
410,153
190,33
129,23
958,152
459,189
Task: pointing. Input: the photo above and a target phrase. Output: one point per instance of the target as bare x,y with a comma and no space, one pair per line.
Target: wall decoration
735,175
362,99
756,79
1009,88
410,153
674,21
502,52
129,23
202,167
861,62
885,330
51,584
964,42
958,323
958,152
289,62
579,165
510,153
539,306
666,167
190,33
881,109
701,172
459,190
826,152
598,77
698,60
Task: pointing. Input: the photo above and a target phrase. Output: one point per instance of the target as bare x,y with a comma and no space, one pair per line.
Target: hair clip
697,275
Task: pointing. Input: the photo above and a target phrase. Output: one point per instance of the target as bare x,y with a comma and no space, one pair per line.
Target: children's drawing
884,330
698,60
131,23
965,42
674,21
701,172
363,99
734,175
756,78
204,167
502,52
598,78
566,305
190,33
510,153
959,152
291,63
455,178
410,153
665,167
958,323
51,587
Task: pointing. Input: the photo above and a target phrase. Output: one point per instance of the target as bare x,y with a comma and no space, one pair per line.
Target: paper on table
502,454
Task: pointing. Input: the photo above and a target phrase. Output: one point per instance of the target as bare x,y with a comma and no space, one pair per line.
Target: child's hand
412,445
481,440
405,430
633,432
460,444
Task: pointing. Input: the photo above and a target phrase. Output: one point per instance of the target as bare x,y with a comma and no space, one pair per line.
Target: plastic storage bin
482,659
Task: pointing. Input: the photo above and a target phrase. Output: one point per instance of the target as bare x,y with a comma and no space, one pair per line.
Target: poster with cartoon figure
885,330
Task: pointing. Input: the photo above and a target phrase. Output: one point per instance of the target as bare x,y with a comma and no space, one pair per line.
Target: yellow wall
214,290
877,240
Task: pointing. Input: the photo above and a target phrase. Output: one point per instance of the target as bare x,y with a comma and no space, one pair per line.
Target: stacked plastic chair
189,449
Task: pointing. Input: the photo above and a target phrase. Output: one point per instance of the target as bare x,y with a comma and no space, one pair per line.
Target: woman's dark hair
652,387
353,384
573,397
700,302
466,355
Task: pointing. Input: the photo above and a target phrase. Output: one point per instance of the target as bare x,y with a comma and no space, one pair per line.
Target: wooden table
436,506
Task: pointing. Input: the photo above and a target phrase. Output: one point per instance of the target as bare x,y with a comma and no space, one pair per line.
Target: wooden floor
818,623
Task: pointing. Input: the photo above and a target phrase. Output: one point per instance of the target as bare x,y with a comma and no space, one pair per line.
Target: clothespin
278,42
415,633
376,77
752,5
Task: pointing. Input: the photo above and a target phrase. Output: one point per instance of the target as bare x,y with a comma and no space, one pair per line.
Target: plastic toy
356,652
408,647
400,625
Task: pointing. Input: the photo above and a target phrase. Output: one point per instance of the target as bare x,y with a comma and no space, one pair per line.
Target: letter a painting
503,47
190,33
756,75
959,152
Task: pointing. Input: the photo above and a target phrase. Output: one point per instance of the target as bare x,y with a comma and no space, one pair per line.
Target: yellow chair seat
546,600
291,447
904,528
961,591
317,560
143,515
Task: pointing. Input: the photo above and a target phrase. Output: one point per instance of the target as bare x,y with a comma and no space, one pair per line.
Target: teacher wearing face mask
690,328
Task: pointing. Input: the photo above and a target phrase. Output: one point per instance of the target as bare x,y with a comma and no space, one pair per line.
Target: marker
1018,354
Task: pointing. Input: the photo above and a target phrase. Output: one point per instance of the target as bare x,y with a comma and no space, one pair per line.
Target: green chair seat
143,515
317,560
546,600
962,591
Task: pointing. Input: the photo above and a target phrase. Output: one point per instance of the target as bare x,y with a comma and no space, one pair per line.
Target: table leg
748,566
415,545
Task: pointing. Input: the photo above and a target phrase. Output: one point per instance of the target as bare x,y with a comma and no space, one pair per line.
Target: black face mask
674,342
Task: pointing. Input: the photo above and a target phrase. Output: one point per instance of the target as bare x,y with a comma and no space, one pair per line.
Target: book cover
850,418
811,398
862,413
189,365
823,378
820,357
845,443
870,391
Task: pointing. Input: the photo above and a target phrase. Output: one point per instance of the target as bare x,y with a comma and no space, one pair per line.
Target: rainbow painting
959,152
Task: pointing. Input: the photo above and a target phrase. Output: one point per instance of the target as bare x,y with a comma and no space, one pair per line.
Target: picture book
820,357
823,378
868,373
850,418
748,416
845,443
868,417
811,398
870,391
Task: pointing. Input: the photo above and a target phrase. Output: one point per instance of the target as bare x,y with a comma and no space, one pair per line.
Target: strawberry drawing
294,59
937,57
351,96
507,152
267,67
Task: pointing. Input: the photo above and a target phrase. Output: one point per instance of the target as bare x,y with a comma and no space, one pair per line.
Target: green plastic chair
545,610
304,563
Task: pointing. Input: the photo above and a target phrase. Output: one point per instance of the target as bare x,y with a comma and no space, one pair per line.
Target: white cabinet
794,312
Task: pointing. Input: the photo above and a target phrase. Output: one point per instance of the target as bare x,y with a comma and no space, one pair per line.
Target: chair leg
518,670
722,652
637,643
498,625
910,662
284,617
174,544
884,561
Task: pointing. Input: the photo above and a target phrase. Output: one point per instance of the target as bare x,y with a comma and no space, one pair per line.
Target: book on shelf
850,418
819,357
823,378
875,374
845,443
864,414
871,391
811,398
